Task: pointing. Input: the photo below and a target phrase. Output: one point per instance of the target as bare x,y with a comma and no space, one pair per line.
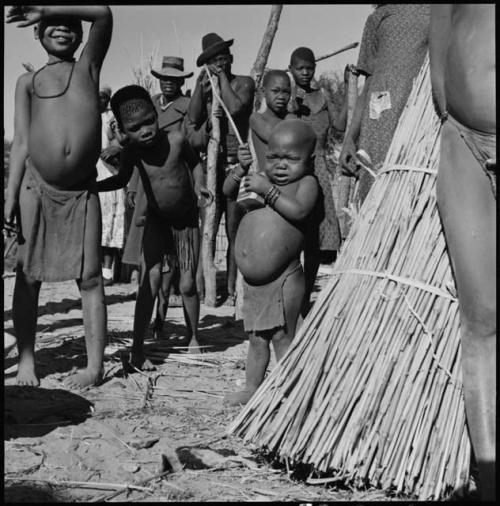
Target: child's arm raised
233,179
19,150
99,35
121,179
292,208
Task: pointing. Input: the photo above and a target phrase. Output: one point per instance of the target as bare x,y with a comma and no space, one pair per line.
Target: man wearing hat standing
171,105
237,92
112,203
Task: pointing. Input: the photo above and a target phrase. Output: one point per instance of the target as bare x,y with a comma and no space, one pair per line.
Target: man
237,92
171,105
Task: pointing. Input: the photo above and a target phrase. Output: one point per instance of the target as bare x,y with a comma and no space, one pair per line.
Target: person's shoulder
176,137
181,103
308,181
25,79
244,81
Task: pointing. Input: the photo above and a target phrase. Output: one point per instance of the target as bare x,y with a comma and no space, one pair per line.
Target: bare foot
83,379
238,398
157,329
26,375
231,300
137,361
194,345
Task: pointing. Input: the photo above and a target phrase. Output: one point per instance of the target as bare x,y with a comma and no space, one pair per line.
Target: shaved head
294,132
275,73
129,100
303,53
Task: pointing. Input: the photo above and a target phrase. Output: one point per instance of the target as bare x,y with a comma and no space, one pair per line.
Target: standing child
277,91
57,142
268,245
312,106
171,175
462,62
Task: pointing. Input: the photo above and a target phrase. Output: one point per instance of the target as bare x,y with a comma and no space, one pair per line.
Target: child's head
302,66
60,35
136,115
277,91
290,152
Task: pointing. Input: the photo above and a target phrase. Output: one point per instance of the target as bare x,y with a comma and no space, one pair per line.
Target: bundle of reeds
370,391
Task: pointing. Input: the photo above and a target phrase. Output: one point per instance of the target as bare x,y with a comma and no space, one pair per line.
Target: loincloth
263,306
51,246
178,242
483,147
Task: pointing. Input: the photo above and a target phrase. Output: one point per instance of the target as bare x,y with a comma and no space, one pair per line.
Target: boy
54,153
277,90
171,176
171,105
462,62
269,242
237,92
311,105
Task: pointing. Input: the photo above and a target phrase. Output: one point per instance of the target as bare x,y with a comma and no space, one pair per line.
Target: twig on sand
206,441
107,497
84,484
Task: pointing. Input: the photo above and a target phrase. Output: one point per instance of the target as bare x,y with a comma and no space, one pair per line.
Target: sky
176,30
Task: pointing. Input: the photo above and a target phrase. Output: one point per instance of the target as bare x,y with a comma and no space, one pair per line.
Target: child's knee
90,281
187,285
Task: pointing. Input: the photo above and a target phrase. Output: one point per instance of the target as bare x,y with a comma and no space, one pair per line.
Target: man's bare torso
470,66
65,132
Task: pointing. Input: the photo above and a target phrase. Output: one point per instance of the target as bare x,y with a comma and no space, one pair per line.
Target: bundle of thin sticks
370,391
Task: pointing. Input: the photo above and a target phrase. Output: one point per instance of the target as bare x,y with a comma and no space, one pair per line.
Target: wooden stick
341,50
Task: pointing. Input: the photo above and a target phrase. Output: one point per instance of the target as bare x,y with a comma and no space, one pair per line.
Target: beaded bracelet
272,196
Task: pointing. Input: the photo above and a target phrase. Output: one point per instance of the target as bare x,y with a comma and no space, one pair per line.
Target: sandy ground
117,433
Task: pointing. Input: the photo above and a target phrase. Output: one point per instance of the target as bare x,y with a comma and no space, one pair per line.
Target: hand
110,152
10,212
245,157
130,199
203,82
205,196
347,157
25,15
257,183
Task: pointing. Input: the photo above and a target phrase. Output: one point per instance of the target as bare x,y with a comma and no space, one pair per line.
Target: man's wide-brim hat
211,45
171,66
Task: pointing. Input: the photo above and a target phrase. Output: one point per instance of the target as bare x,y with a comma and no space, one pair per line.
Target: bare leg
93,304
162,305
107,257
233,217
24,315
311,265
293,297
256,367
191,300
146,294
468,212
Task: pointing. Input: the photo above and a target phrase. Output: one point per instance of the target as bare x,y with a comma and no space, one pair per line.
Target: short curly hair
128,100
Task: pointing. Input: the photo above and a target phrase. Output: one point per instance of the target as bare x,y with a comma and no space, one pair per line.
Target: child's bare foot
138,361
26,375
193,345
231,300
157,329
84,378
238,398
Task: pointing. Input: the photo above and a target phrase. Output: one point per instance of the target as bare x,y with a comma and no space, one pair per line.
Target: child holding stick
268,244
171,175
462,62
51,194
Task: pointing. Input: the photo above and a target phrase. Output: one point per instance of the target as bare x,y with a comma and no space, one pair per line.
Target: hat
212,44
171,66
105,90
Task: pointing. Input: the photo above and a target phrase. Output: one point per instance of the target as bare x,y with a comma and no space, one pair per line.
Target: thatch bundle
370,390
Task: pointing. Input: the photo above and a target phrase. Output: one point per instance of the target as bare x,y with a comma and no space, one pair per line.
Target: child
277,90
268,244
57,142
462,62
312,106
171,176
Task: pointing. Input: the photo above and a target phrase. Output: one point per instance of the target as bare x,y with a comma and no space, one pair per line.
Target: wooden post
209,231
345,183
259,66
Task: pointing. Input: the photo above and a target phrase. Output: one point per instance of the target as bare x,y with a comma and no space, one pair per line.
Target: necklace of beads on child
48,65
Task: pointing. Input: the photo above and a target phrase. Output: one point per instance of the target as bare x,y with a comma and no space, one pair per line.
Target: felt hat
211,44
105,90
171,66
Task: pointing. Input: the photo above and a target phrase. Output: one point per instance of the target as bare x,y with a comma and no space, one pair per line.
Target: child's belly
64,144
173,197
265,245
